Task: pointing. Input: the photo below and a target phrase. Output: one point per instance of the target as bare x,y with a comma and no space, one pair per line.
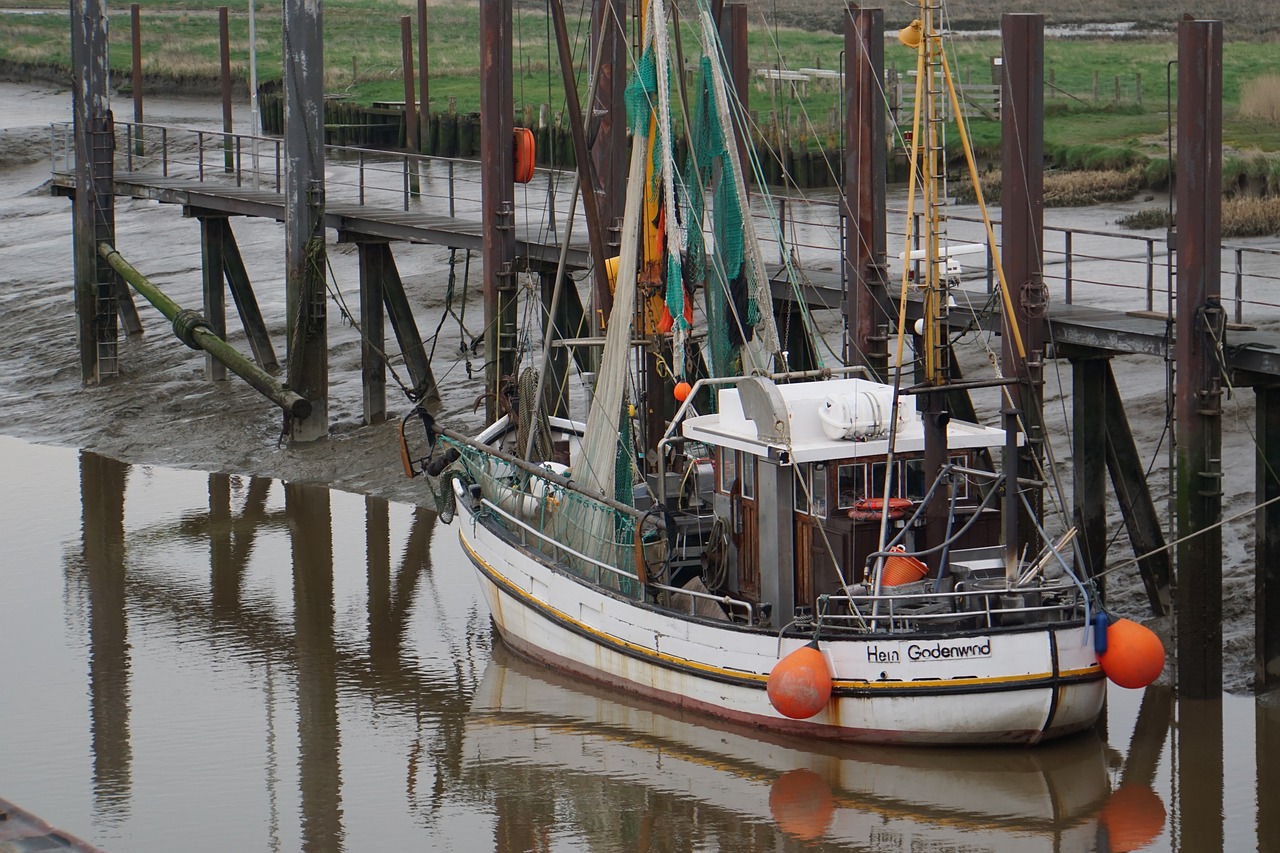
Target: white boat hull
1020,686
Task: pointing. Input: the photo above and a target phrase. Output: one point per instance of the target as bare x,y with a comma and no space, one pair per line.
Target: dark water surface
210,662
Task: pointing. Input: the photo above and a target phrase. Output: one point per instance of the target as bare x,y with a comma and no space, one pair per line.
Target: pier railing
1101,268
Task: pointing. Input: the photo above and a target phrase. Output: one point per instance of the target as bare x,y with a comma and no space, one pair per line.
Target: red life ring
525,155
870,509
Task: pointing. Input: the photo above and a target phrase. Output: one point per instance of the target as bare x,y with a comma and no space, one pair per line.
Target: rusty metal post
1022,235
135,26
93,207
224,51
1199,327
497,196
308,358
607,139
1266,599
410,104
733,39
864,188
424,102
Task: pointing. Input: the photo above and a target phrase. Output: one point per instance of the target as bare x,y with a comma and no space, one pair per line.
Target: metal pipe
192,329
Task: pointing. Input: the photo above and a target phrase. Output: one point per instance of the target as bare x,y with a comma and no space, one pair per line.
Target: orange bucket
901,569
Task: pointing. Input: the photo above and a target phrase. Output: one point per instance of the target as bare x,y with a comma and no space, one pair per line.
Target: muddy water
208,662
222,661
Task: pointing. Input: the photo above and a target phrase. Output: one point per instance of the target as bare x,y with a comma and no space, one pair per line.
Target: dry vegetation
1260,98
1241,217
1070,189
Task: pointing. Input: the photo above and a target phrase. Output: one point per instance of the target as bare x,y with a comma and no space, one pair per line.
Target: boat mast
930,95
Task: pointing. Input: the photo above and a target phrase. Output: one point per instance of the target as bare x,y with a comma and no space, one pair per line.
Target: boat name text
978,648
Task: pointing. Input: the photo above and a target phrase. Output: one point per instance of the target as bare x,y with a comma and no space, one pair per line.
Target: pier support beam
864,185
308,358
1129,480
1266,599
222,261
373,334
380,281
1022,236
215,292
497,198
1199,329
1089,461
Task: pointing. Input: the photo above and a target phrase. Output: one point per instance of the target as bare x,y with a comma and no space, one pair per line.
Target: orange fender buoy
800,683
801,804
682,390
1134,817
525,155
1134,657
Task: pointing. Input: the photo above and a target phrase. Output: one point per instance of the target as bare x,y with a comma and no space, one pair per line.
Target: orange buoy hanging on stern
1134,656
800,683
525,155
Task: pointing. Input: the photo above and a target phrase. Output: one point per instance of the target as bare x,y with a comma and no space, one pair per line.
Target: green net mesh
641,93
592,540
708,162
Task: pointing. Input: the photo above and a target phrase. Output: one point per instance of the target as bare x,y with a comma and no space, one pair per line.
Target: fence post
1151,274
1067,252
1239,285
1138,85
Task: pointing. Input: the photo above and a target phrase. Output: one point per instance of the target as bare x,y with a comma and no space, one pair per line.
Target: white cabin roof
734,428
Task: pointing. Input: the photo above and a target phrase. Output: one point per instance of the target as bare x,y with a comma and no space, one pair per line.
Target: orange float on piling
682,390
1134,657
800,683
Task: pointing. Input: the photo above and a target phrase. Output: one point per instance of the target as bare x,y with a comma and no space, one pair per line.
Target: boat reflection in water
531,730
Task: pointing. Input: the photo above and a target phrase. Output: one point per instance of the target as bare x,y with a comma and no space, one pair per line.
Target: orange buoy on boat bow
1134,655
800,683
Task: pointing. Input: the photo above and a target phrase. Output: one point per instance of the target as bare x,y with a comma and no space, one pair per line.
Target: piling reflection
102,485
344,630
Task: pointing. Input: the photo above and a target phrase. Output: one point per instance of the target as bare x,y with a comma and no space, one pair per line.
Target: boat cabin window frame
728,465
851,484
813,475
960,482
747,467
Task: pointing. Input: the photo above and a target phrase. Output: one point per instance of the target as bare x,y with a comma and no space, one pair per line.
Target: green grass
362,59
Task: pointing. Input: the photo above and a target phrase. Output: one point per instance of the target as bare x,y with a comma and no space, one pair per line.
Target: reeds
1260,98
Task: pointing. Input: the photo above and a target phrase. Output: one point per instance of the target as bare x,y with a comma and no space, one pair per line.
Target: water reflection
640,775
102,485
315,667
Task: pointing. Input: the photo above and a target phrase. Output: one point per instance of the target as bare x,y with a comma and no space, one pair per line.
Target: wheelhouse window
960,482
851,484
811,489
749,476
913,471
728,468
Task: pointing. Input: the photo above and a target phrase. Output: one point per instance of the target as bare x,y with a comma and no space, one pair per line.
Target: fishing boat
804,549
